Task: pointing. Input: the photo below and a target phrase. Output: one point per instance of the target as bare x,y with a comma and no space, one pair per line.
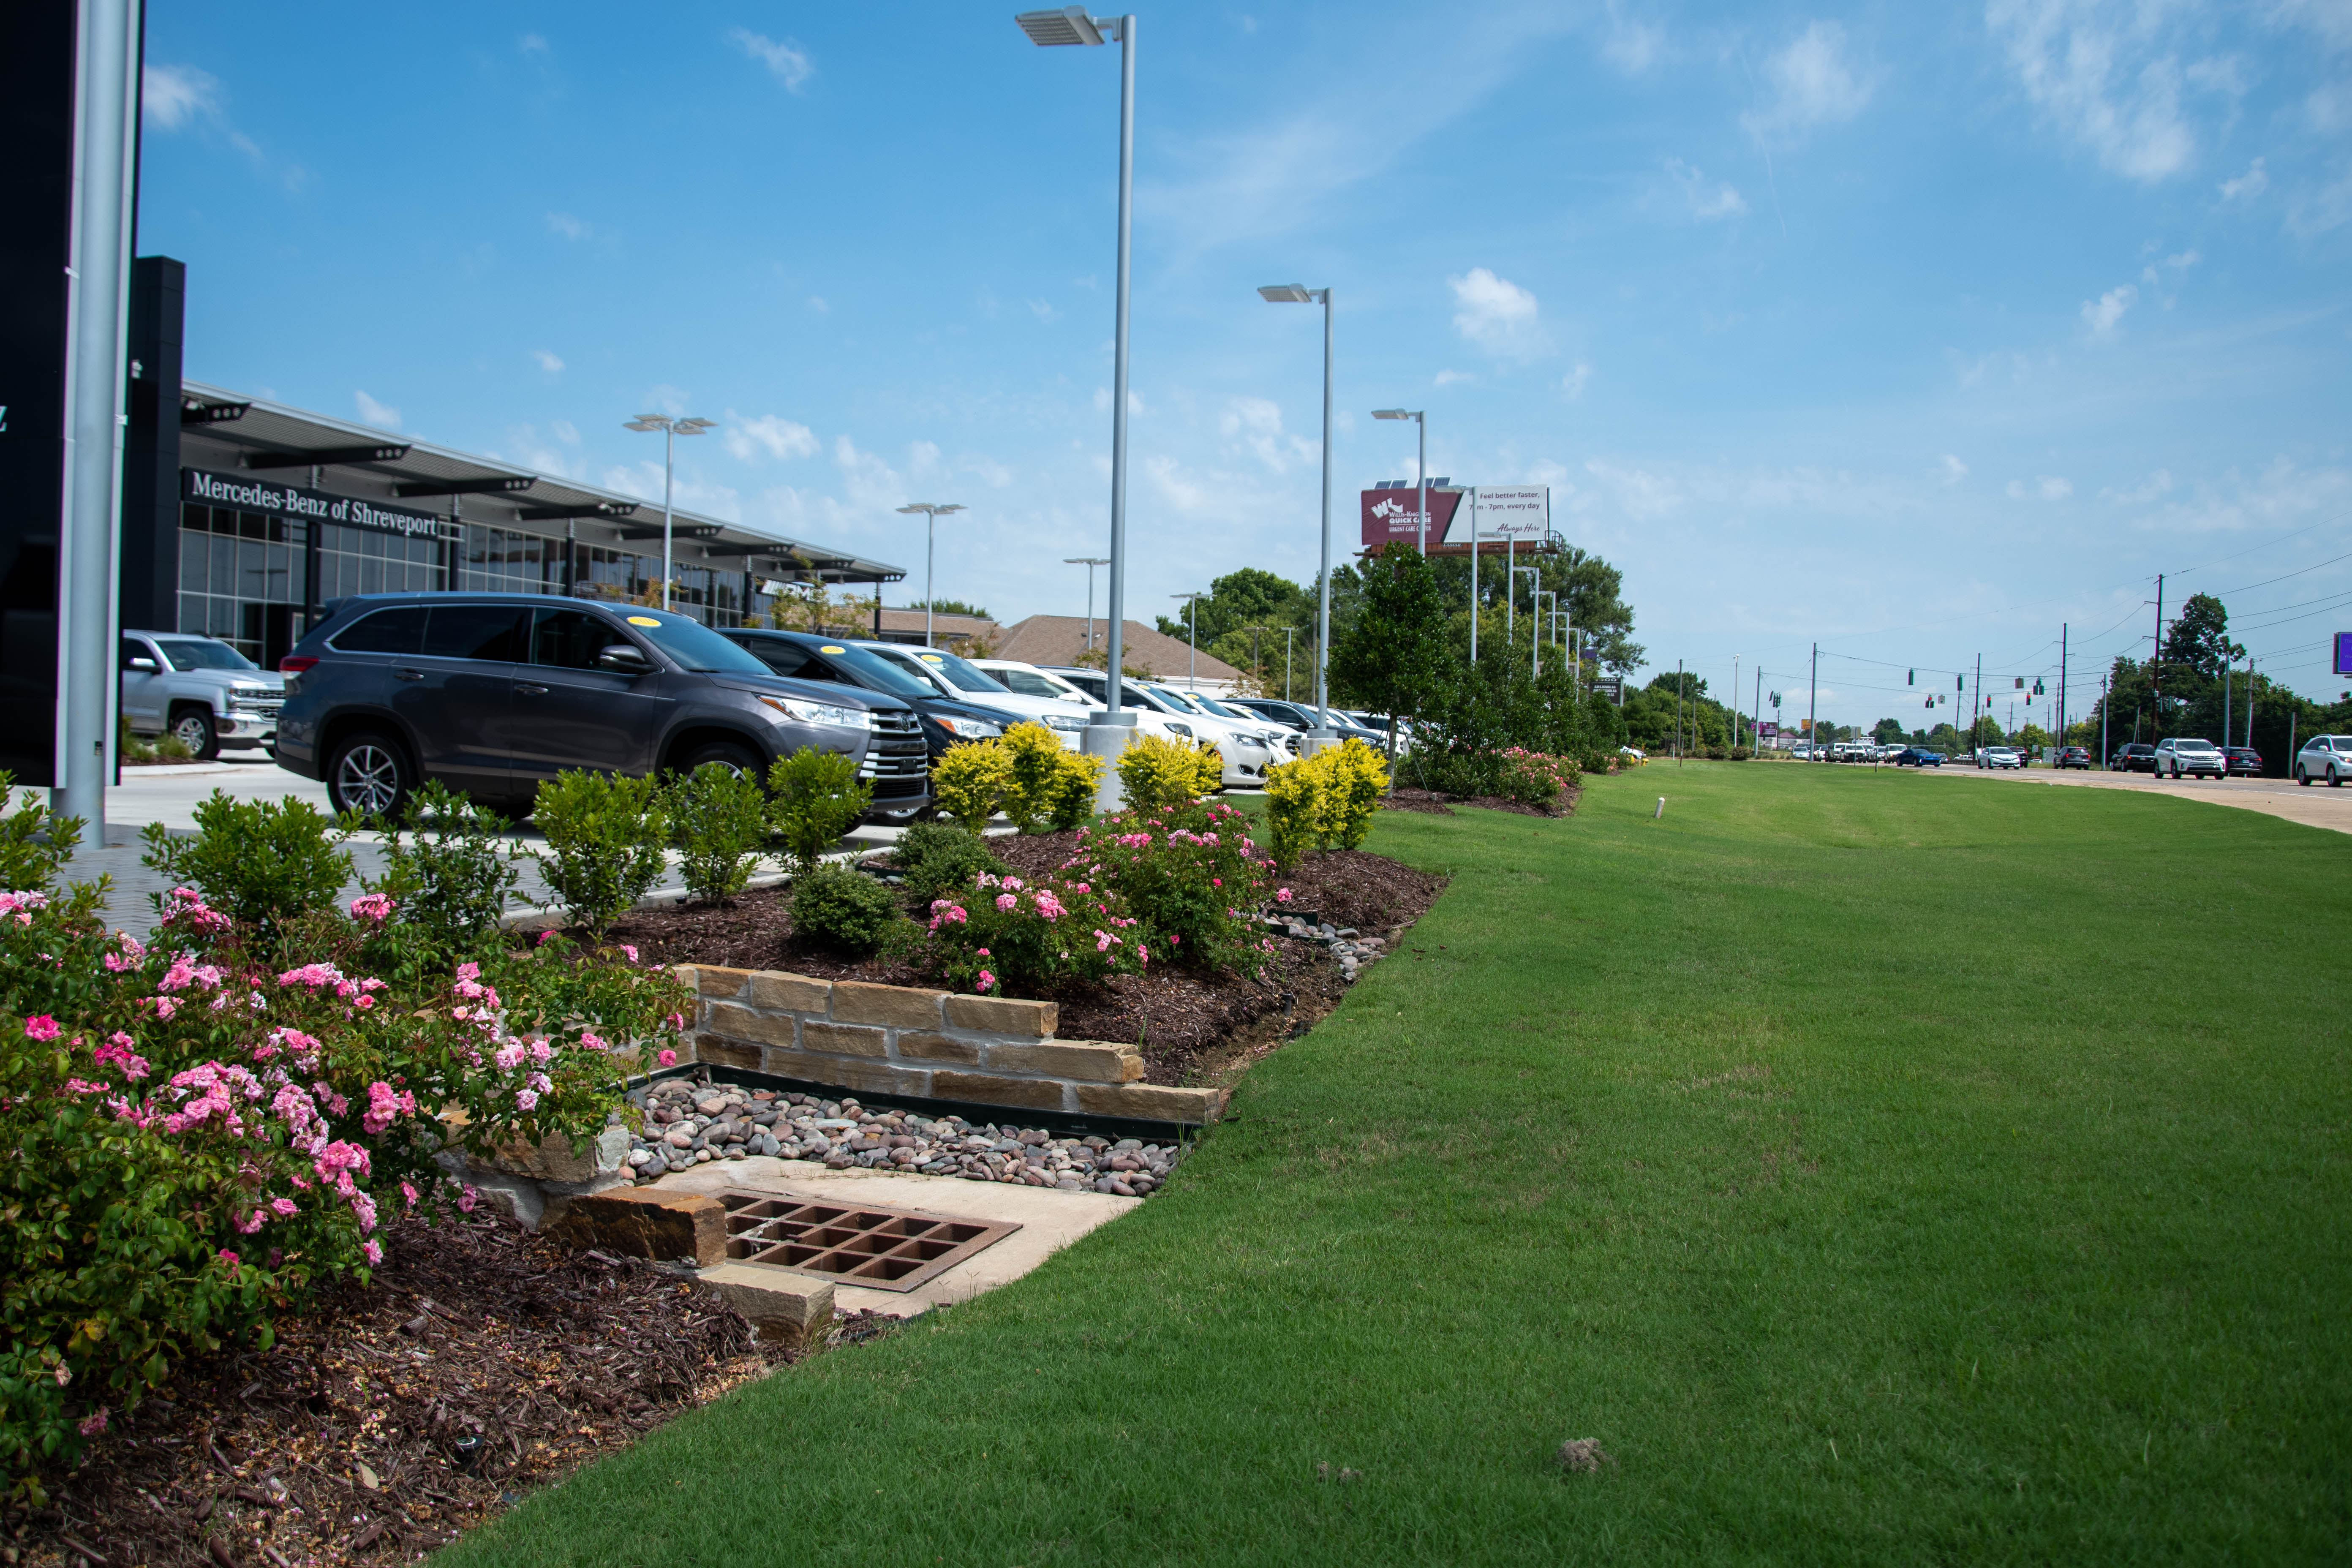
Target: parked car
1151,717
2326,757
2073,757
1028,681
1918,757
1249,744
2245,762
1244,749
492,693
2136,758
1302,717
960,679
2180,756
804,656
199,690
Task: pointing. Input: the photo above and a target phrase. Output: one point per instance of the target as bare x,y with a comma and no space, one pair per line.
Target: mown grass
1883,1168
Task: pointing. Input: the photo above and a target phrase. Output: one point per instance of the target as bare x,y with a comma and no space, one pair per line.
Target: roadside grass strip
1880,1172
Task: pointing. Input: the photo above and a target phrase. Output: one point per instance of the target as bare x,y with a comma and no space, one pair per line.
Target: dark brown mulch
387,1420
1178,1017
1430,801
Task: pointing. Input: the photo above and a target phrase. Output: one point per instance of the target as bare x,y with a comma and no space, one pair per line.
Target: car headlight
1064,722
969,729
1176,728
821,713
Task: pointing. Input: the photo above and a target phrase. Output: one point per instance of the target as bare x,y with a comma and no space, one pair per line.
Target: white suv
2179,756
2326,757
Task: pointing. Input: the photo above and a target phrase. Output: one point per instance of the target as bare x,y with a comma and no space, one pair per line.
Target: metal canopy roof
212,436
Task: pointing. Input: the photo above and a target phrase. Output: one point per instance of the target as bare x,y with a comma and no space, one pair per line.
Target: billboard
1394,516
1511,511
1502,514
2344,653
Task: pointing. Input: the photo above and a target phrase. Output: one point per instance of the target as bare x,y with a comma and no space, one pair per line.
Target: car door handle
528,690
408,674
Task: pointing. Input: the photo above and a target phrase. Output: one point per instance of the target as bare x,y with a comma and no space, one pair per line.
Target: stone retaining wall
897,1039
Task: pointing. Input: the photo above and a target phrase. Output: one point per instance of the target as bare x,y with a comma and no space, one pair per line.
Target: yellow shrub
1156,771
1290,810
1210,764
1070,801
969,782
1328,798
1032,766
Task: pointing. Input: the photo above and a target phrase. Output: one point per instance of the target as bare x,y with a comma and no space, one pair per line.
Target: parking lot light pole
1420,418
1089,563
932,511
671,429
1298,294
1192,635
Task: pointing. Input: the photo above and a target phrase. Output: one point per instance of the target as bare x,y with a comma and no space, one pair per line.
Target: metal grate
883,1250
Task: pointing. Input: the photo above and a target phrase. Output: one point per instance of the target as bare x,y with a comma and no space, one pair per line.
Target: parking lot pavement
170,795
2316,806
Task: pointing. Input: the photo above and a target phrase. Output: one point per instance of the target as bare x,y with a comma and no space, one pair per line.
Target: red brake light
295,663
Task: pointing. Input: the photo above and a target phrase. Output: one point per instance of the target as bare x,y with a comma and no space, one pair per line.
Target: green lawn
1883,1168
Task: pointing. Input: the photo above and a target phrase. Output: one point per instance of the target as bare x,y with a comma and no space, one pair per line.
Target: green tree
1887,732
951,607
1395,657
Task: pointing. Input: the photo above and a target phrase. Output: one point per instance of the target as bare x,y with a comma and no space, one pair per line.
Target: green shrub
815,797
1156,771
718,823
1007,936
968,783
1191,875
262,863
32,844
604,836
449,885
833,906
936,858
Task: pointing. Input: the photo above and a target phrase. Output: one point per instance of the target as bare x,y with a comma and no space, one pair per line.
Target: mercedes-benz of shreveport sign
246,493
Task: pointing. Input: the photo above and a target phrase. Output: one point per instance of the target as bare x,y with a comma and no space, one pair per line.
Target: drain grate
883,1250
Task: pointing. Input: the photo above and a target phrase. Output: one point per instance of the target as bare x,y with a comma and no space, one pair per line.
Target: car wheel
733,755
2335,779
2301,777
193,727
368,774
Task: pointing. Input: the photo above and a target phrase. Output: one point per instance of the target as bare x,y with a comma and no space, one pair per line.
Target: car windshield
1181,700
1220,709
961,674
1030,683
203,653
693,645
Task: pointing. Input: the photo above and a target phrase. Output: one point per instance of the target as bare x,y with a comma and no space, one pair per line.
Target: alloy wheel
367,780
192,731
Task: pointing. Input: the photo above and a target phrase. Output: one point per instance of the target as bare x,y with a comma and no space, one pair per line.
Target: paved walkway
2314,807
170,795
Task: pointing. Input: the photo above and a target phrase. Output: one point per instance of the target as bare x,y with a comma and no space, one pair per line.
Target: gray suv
200,690
490,693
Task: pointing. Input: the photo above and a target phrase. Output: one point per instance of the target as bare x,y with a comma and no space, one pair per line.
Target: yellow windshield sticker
643,621
832,648
932,658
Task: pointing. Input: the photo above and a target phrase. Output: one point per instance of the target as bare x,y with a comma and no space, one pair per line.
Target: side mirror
143,664
623,658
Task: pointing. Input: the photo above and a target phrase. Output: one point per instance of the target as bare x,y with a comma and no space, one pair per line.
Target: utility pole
2061,705
1678,711
2104,706
1813,707
1287,632
2156,663
1735,702
1756,714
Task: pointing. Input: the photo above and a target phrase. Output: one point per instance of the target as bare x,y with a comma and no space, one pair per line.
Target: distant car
2245,762
200,690
1304,716
2136,758
1918,757
1999,757
2326,757
2181,756
2073,757
801,656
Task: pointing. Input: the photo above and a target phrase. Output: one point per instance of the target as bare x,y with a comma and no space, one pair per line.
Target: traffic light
2020,683
1960,683
1911,677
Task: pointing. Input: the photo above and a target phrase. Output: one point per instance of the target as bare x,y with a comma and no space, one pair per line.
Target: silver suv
2328,757
199,690
2178,756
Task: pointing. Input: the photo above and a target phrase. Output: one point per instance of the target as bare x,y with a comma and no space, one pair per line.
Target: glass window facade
242,580
362,561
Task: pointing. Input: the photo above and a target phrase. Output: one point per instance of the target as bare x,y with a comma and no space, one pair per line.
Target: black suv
491,693
803,656
2136,758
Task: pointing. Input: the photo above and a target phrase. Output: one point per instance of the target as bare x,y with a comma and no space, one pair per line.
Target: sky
1919,331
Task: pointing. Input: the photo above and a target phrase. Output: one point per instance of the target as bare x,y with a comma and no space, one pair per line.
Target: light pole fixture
1089,563
1510,611
671,429
1420,462
1298,294
1192,635
932,511
1073,24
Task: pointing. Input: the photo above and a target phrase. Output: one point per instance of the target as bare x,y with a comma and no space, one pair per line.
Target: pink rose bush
1191,875
196,1132
1012,936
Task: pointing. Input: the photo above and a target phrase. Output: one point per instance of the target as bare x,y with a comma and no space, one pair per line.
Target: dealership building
243,519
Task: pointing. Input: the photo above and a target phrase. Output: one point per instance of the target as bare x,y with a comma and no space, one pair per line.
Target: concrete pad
1049,1219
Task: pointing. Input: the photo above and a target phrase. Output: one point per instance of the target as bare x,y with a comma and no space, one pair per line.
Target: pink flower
374,1250
251,1223
41,1028
225,1255
508,1056
668,1058
116,1052
545,937
987,982
409,1192
284,1208
94,1423
984,953
525,1098
468,1199
1004,902
676,1021
373,907
629,953
1282,895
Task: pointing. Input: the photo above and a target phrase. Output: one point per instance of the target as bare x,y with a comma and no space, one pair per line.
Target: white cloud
548,361
1496,313
1102,400
1449,377
778,437
1812,84
567,225
2157,484
2048,487
1042,310
1631,46
1181,492
788,61
2281,495
1707,202
2101,314
2099,70
377,414
171,95
1574,382
1256,423
1950,469
565,431
2317,211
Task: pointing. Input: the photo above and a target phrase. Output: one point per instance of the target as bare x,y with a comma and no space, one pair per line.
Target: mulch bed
1178,1017
387,1420
1434,803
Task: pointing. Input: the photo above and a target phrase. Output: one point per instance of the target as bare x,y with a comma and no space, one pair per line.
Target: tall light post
1192,635
1547,624
671,429
1420,418
1298,294
932,511
1535,602
1089,563
1072,25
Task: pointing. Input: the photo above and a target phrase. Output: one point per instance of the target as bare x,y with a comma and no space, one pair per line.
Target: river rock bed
687,1124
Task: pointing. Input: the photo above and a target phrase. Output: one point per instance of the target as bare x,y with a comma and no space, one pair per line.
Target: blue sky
1915,330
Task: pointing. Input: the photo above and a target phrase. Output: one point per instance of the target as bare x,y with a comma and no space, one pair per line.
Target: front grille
897,723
